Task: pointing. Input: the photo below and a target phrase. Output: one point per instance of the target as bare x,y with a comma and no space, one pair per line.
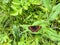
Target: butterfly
34,28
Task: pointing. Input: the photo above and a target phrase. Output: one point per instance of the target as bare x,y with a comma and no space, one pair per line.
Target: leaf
16,32
13,7
41,23
55,12
14,13
47,4
20,11
25,7
21,43
37,2
52,35
57,7
5,1
16,3
3,38
58,43
25,27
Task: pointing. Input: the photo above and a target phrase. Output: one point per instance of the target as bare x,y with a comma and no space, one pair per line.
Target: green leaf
20,11
25,7
3,38
16,32
37,2
16,3
41,23
55,12
52,35
5,1
58,43
14,13
47,4
13,7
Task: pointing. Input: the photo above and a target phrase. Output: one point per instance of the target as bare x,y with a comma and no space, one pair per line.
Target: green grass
17,15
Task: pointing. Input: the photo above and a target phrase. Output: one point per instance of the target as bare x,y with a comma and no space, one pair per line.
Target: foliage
17,15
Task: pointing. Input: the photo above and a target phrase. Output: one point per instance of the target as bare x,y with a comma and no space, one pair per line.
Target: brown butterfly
34,28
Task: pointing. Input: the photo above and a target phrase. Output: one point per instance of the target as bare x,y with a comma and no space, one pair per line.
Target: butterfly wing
34,28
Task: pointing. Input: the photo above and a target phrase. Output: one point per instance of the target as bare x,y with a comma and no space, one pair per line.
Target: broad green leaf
47,4
37,2
16,32
58,43
20,11
15,3
5,1
33,43
3,38
21,43
13,7
41,23
52,35
56,7
55,12
25,7
14,13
